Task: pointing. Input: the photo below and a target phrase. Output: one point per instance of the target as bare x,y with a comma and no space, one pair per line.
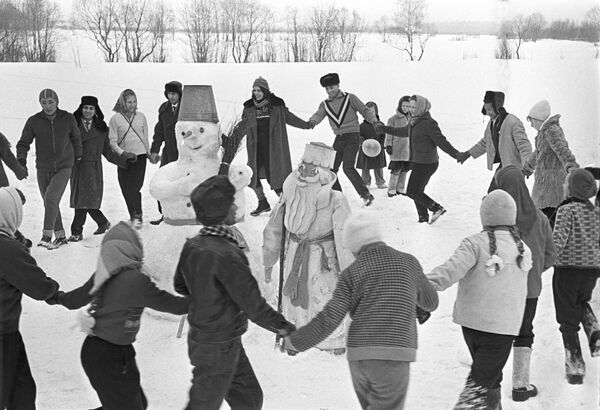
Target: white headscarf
11,211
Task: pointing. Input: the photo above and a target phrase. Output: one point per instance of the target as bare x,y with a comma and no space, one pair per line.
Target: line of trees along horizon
244,31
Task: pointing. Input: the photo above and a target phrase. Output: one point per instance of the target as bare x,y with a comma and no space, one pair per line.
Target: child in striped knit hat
380,291
491,269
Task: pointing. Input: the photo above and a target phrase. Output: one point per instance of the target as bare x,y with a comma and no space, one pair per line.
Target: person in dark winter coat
380,291
425,137
341,108
57,148
119,292
164,131
11,162
551,160
535,231
265,116
577,240
366,163
19,274
504,141
214,271
398,148
491,270
87,181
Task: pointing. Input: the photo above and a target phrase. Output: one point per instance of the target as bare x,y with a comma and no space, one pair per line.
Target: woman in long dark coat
87,183
267,144
376,163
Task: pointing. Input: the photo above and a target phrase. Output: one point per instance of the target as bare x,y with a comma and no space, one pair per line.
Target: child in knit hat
380,291
577,239
491,269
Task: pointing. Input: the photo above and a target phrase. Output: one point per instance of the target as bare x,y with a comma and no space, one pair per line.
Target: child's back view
491,270
576,237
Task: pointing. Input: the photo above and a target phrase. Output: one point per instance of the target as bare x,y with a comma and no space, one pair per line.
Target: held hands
130,157
388,149
311,124
461,157
268,274
154,158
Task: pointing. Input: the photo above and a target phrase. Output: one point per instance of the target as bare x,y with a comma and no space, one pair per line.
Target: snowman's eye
201,129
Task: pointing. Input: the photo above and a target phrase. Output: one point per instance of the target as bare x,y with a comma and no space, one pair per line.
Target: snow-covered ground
454,76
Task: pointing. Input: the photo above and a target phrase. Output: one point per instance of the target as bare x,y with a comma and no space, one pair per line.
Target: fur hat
98,117
212,199
360,229
89,100
330,79
173,87
262,83
582,184
48,93
540,111
496,98
498,208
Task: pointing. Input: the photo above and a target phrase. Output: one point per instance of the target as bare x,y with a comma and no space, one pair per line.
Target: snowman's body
199,145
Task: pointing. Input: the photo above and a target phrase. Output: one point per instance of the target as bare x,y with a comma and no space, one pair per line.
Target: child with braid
491,270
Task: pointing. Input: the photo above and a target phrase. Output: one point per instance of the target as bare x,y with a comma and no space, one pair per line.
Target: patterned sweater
577,235
380,290
341,111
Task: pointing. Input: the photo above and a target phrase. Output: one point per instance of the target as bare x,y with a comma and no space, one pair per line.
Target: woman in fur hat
119,292
87,182
550,161
491,270
266,117
128,136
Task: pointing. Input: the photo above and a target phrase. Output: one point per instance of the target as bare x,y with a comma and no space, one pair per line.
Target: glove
130,157
388,149
422,315
461,157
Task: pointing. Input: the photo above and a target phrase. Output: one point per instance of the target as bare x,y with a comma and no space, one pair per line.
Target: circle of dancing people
334,264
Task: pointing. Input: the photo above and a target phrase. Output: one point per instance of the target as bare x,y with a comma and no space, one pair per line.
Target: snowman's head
240,176
198,139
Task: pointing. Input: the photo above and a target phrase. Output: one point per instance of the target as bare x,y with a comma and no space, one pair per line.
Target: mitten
461,157
388,149
422,315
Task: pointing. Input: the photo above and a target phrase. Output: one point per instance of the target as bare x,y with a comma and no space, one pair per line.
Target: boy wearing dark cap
57,147
215,273
341,108
504,141
577,239
164,131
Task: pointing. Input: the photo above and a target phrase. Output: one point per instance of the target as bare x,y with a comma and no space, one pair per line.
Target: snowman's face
240,176
198,139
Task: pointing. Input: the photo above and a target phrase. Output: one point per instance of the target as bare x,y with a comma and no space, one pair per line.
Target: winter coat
215,273
124,137
400,145
8,157
87,182
57,141
487,303
280,164
367,131
513,146
164,131
341,111
550,162
425,136
380,290
19,273
577,234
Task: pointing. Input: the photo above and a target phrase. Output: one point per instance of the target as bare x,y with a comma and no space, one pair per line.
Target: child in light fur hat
491,269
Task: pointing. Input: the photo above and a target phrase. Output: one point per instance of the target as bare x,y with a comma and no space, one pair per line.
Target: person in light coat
398,148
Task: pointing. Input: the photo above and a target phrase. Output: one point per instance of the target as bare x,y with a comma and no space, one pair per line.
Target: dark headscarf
98,119
511,180
372,104
405,98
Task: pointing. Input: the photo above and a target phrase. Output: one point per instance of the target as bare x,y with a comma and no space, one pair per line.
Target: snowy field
453,76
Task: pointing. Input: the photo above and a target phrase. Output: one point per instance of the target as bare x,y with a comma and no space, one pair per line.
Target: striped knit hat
48,93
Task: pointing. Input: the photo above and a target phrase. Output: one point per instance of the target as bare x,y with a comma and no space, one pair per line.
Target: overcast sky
440,10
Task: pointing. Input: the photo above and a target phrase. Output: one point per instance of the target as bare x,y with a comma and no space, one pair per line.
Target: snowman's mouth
197,148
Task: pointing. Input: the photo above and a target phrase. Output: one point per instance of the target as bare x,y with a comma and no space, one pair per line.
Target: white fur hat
498,208
361,228
540,110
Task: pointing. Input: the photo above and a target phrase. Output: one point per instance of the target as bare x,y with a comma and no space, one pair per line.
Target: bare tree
244,21
11,46
199,19
322,28
592,20
266,49
161,24
409,19
536,24
348,29
38,30
383,27
294,35
98,18
504,50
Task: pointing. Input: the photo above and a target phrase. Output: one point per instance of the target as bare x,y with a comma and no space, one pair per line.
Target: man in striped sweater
380,290
341,108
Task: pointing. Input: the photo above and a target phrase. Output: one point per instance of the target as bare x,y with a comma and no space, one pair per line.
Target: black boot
263,206
592,330
574,364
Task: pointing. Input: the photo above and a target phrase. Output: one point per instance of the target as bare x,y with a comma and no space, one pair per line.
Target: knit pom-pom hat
262,83
498,208
540,111
361,228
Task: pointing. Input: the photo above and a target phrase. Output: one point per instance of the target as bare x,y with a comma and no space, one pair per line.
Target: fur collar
275,101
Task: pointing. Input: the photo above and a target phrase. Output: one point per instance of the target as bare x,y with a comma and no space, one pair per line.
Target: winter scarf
121,247
511,180
11,211
263,107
